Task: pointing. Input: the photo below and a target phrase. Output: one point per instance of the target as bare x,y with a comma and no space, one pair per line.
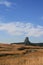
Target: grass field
19,54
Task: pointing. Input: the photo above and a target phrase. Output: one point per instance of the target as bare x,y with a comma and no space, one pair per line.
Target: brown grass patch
20,55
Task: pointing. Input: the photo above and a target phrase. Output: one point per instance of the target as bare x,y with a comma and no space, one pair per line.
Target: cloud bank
6,3
20,28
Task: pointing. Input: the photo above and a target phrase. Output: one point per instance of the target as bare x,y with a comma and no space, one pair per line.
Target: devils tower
27,42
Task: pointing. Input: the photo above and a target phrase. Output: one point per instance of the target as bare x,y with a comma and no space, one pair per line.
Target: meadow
20,54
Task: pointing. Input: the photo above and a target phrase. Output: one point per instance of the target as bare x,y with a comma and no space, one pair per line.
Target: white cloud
6,3
20,28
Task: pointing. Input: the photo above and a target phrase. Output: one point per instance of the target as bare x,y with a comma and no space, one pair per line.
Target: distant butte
27,42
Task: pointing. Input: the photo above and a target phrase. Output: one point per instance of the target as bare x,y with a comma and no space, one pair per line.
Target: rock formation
27,42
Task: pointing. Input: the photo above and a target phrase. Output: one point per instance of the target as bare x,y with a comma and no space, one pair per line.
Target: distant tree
27,42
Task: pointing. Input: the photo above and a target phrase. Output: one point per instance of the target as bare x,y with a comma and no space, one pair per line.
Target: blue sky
21,18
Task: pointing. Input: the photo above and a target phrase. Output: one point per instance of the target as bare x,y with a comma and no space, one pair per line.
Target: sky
20,19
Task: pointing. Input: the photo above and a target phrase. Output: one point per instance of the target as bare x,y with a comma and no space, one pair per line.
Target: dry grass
11,55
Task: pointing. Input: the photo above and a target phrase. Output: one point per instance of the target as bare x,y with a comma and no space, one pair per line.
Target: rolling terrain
20,54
